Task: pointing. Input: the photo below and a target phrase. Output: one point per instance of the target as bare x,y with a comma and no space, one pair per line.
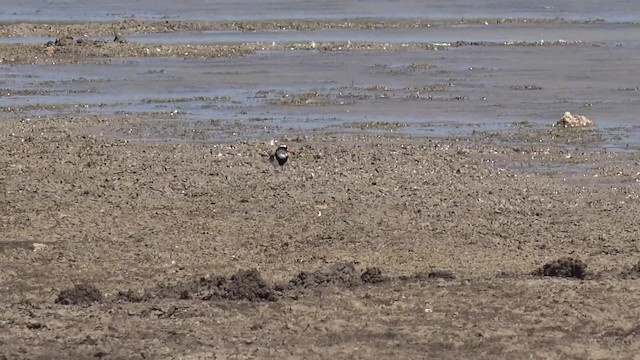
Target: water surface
228,10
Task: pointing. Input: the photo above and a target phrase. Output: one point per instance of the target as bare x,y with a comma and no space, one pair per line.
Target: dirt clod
563,267
81,294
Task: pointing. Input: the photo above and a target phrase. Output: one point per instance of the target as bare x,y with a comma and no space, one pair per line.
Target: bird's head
283,152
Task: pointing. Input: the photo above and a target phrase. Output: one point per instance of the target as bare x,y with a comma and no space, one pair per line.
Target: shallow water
607,33
483,86
75,10
455,91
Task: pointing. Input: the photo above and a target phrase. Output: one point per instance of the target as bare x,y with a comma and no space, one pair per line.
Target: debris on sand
564,267
81,294
570,120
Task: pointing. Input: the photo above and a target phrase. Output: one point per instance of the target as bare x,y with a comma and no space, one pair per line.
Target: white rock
570,120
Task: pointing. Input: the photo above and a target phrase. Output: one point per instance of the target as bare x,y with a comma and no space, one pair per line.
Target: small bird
280,156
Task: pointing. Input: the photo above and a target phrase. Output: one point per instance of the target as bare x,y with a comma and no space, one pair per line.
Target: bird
280,156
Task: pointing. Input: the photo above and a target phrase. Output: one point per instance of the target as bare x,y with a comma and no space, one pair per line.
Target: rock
570,120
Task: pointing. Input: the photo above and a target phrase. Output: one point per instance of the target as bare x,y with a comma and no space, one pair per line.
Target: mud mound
373,275
249,284
340,274
243,285
129,296
563,267
81,294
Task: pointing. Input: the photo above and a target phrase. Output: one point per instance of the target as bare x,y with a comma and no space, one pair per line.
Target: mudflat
361,246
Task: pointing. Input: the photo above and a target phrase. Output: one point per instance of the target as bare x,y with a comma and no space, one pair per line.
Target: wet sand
456,229
430,207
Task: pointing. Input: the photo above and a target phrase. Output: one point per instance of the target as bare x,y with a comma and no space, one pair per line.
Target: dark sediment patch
564,267
340,274
243,285
12,245
81,294
249,285
129,296
632,273
373,275
63,41
70,41
429,275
